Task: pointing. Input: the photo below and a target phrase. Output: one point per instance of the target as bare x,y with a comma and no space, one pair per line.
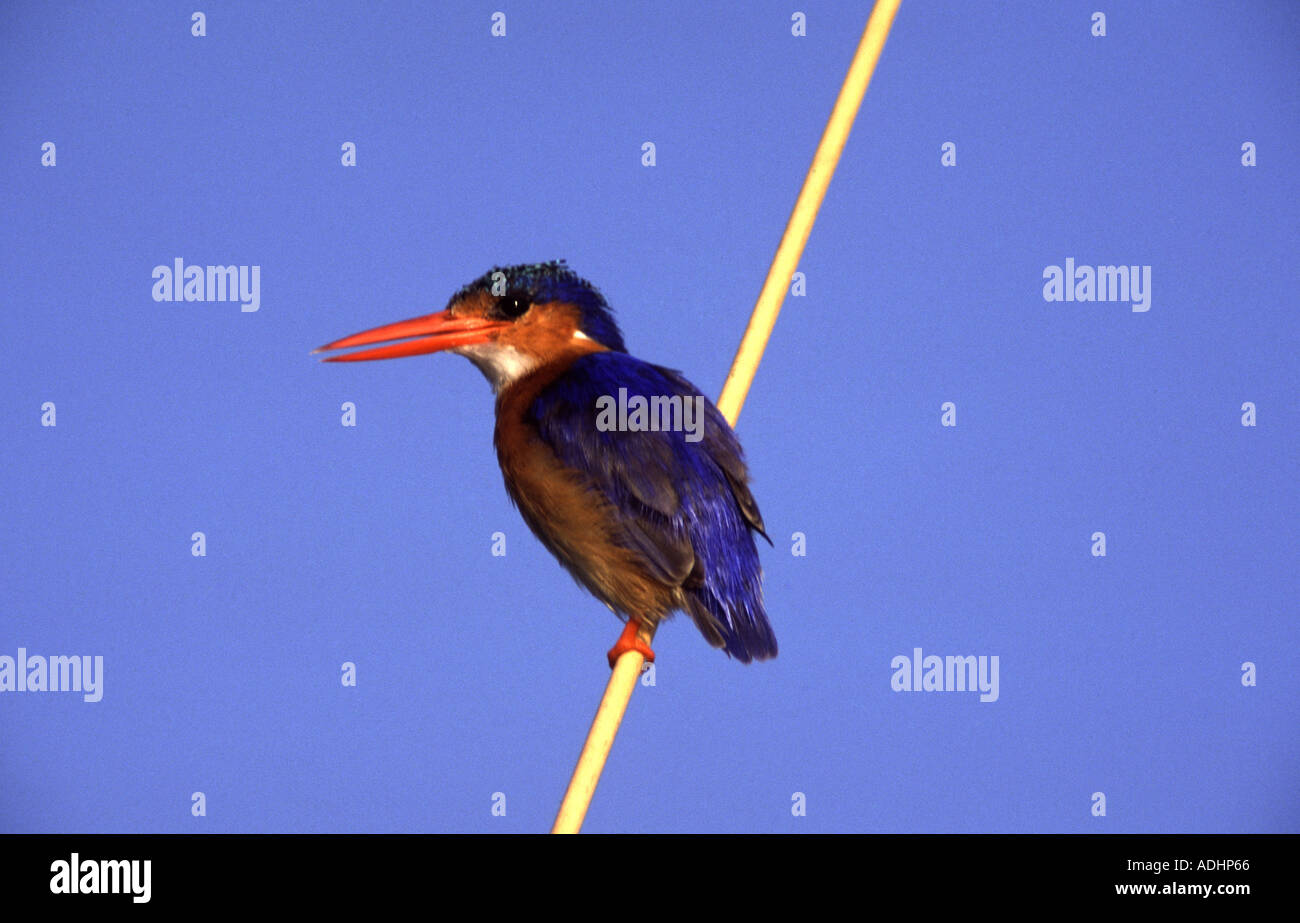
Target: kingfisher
651,514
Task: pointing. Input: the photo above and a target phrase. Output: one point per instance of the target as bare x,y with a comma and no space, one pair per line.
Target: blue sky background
479,674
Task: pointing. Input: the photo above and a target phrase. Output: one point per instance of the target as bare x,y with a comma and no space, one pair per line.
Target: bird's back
648,520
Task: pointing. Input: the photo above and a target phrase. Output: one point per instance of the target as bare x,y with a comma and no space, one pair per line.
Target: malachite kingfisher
648,508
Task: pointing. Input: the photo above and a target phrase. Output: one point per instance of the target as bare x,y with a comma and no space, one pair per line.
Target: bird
650,521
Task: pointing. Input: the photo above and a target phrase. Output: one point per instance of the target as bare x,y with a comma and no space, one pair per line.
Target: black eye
514,305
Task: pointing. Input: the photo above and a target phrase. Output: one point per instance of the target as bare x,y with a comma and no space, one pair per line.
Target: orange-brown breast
565,511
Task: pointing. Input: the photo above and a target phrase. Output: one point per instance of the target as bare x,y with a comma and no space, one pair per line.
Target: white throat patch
500,365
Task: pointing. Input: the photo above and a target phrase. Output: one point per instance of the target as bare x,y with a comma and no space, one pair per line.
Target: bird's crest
549,282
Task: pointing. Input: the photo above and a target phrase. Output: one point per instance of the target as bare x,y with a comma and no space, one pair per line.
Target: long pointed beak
431,333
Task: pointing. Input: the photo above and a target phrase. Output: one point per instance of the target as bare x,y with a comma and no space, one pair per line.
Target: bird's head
508,322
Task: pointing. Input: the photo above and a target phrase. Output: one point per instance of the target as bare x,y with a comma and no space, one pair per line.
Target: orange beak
428,334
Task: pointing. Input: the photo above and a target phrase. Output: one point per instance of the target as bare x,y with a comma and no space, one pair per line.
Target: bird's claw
630,640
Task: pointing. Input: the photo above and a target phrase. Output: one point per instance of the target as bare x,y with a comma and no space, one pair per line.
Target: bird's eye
513,305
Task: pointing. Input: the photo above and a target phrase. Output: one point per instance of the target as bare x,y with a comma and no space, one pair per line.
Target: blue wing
681,495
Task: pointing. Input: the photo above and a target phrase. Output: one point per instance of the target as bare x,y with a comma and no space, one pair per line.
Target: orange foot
630,640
